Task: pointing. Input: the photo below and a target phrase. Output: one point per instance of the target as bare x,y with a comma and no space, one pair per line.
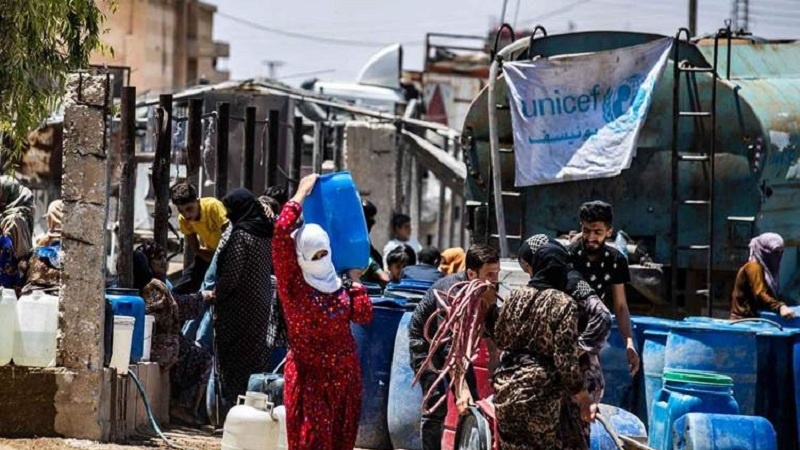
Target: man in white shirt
401,234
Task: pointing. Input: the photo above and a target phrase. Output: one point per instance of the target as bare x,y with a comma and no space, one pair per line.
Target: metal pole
223,127
272,155
692,17
161,170
297,151
248,162
494,142
316,157
127,187
194,140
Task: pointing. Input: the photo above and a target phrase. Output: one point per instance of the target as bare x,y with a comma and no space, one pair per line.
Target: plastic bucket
123,335
149,322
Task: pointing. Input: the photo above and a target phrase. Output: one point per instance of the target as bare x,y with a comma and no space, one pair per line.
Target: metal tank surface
756,180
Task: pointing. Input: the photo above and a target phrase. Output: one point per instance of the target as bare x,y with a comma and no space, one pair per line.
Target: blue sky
336,37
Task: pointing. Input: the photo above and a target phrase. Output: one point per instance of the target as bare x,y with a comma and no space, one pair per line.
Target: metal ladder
704,157
513,200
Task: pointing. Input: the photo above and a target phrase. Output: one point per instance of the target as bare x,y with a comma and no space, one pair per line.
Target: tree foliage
41,42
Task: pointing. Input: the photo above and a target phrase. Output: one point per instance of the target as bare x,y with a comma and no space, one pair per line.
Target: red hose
462,317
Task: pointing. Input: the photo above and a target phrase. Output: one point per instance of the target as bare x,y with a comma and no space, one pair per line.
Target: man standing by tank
604,268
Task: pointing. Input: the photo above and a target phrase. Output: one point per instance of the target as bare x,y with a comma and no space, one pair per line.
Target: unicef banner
578,117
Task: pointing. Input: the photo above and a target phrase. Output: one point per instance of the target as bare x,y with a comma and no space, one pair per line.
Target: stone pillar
79,404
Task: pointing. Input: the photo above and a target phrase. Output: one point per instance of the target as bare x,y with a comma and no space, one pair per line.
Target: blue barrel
405,401
775,374
620,389
335,205
623,422
643,324
655,344
718,348
127,302
785,323
375,343
697,431
685,392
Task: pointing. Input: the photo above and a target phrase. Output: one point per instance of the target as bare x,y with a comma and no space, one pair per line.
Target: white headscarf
320,274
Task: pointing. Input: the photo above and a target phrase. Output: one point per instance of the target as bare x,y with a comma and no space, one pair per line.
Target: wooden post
274,124
194,157
127,186
297,151
223,127
338,147
161,169
441,215
248,162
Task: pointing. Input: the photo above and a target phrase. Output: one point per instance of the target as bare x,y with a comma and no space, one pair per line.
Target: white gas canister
253,424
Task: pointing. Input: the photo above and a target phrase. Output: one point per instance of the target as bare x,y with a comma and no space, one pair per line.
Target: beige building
168,44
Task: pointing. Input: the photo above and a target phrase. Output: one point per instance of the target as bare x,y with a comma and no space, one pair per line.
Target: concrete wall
370,155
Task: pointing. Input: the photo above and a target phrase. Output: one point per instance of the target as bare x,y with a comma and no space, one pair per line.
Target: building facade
168,44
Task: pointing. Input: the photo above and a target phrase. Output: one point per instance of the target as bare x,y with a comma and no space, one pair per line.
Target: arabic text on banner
578,117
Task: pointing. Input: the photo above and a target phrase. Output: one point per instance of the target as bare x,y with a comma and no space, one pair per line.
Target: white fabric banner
578,117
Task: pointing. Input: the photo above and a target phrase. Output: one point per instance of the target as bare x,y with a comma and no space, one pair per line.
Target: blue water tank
405,401
375,342
775,374
655,344
786,323
697,431
620,389
335,205
623,422
718,348
643,324
685,392
127,302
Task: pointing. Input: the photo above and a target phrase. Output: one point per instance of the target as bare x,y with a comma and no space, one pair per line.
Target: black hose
150,416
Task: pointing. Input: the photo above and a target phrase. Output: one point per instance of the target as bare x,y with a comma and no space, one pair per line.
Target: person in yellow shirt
202,222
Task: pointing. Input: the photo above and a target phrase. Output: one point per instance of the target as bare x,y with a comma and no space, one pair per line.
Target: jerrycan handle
271,410
758,320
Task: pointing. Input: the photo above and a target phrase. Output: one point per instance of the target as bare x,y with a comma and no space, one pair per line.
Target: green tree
41,42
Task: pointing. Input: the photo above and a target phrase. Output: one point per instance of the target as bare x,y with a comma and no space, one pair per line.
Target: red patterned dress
323,376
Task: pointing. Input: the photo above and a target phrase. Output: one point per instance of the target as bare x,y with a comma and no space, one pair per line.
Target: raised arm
284,257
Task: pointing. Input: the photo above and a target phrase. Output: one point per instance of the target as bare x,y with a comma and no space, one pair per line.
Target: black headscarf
577,287
549,260
141,270
246,213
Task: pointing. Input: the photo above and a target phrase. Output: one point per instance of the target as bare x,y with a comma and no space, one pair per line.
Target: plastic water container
624,423
123,334
721,349
8,325
127,302
254,424
149,322
696,431
620,389
655,344
404,407
37,329
685,392
375,344
335,205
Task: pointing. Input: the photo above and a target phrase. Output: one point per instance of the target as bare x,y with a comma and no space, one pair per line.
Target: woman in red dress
323,376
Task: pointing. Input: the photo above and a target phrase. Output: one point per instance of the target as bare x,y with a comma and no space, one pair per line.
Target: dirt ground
182,438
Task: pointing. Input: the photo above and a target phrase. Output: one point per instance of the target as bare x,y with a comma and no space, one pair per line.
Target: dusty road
185,439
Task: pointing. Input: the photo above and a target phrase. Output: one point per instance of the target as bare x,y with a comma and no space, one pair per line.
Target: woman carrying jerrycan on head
323,375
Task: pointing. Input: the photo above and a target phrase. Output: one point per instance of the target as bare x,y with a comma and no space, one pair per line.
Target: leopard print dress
538,333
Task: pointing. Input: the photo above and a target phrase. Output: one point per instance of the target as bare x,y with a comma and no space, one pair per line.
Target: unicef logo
622,105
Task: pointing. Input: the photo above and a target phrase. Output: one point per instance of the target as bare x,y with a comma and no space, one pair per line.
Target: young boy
401,235
604,268
202,221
